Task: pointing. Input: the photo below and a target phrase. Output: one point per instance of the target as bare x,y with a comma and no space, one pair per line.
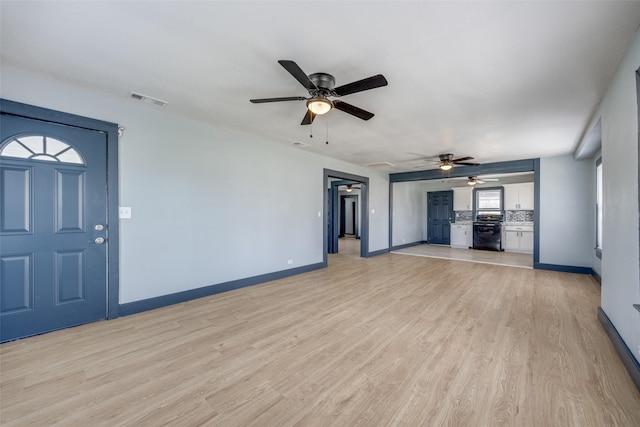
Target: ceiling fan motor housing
323,81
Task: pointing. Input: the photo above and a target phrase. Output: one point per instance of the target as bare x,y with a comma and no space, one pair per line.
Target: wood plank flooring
387,341
512,259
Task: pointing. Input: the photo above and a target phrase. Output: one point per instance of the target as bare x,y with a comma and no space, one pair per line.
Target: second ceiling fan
320,87
447,161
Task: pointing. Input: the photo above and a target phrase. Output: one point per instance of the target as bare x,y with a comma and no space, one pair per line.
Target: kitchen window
488,201
599,208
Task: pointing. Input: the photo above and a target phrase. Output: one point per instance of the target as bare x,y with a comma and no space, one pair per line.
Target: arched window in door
40,147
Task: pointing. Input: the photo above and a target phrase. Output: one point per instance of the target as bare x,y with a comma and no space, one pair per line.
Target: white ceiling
496,80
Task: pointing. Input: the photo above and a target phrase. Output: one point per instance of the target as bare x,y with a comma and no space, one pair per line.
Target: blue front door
53,229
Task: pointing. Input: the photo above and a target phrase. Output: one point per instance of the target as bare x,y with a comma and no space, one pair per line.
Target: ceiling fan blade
467,164
308,118
353,110
462,159
364,84
287,98
297,72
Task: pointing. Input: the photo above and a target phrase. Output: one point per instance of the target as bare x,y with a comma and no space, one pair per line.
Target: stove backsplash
464,216
510,216
518,216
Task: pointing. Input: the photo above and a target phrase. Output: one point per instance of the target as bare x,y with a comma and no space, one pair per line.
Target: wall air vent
148,99
380,165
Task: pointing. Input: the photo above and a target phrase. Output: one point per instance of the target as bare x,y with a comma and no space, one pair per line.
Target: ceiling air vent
380,165
148,99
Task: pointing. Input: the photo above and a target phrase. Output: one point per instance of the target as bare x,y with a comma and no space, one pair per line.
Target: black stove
487,232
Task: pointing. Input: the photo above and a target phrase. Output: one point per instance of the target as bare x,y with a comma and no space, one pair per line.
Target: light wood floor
512,259
349,246
388,340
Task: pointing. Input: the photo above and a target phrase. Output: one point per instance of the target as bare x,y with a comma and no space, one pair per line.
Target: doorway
349,216
58,221
349,237
332,181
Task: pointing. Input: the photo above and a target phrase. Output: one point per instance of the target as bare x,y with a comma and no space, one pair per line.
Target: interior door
53,230
439,214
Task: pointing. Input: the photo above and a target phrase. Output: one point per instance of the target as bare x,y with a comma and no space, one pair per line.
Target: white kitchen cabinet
526,241
461,236
462,198
469,235
518,196
518,238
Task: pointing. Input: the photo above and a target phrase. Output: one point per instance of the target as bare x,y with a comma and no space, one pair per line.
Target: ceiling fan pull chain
311,129
327,142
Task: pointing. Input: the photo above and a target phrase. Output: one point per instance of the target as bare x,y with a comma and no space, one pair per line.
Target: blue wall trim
625,354
536,212
562,268
113,222
525,165
165,300
333,216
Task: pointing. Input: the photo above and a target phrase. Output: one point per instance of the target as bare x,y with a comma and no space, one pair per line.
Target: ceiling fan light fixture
319,106
472,181
349,188
446,165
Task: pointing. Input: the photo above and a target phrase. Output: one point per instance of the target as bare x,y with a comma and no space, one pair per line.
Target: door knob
99,240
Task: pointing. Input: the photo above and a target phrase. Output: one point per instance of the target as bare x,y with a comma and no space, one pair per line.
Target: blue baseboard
162,301
407,245
376,253
625,354
563,268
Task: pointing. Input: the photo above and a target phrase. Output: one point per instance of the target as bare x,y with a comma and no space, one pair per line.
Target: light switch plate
125,212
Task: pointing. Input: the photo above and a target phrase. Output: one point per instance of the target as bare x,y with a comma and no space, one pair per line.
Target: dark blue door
53,231
439,214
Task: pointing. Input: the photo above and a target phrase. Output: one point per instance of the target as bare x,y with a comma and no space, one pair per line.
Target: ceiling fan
320,87
447,161
351,187
473,180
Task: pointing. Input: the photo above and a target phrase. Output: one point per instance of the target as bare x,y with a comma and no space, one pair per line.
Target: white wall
567,232
618,113
409,212
209,205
